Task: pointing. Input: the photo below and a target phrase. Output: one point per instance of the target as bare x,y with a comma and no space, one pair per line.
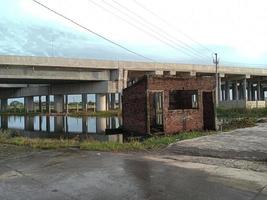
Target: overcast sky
193,29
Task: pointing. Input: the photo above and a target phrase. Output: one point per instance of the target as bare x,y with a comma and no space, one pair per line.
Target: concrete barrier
242,104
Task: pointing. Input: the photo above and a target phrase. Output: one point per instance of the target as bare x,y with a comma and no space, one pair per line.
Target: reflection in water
53,126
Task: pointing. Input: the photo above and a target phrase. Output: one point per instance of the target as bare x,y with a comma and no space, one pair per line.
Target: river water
62,126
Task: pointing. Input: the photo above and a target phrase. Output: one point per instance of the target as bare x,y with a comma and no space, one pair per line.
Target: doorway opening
208,111
156,111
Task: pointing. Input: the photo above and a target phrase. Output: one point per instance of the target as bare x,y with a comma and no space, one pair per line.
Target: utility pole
216,62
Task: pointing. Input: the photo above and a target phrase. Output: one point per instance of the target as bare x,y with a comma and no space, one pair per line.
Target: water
62,126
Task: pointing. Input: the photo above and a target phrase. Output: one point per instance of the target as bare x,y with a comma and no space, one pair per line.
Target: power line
166,22
152,33
176,40
93,32
140,28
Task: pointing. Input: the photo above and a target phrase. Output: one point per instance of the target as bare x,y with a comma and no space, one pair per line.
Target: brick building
169,105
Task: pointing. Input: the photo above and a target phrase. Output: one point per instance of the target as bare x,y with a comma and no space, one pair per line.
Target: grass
42,143
74,113
107,113
241,113
240,118
239,123
150,144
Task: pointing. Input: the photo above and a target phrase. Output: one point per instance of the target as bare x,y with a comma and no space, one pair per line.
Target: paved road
75,174
247,144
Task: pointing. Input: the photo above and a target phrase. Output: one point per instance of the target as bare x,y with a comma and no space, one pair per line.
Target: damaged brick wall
187,119
135,104
134,108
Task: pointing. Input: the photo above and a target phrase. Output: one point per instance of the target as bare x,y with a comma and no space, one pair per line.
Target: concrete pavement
244,144
75,174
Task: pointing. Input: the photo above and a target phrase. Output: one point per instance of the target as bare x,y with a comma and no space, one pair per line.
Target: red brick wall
134,108
134,111
181,120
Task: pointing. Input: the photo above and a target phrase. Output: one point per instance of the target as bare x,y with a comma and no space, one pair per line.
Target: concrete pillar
262,94
84,124
29,123
66,125
112,101
58,103
107,102
67,104
3,105
28,104
235,90
219,88
240,91
125,78
249,91
47,123
101,104
101,124
113,123
259,91
120,100
227,91
4,121
223,92
40,122
47,104
244,89
253,96
59,124
40,104
84,102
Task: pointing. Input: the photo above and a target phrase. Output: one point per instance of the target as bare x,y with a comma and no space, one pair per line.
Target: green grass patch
42,143
241,113
107,113
150,144
239,123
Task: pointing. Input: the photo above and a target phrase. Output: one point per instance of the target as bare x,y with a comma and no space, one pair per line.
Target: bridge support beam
227,91
244,90
4,122
84,102
28,104
112,101
59,124
29,123
58,103
40,104
84,124
249,91
101,124
253,96
259,98
3,105
235,90
47,104
101,104
219,89
66,104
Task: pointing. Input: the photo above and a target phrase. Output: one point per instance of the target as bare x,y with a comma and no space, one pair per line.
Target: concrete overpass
24,76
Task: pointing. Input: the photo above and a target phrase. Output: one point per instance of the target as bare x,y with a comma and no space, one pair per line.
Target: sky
180,31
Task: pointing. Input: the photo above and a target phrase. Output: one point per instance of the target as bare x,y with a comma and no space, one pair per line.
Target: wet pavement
75,174
245,144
